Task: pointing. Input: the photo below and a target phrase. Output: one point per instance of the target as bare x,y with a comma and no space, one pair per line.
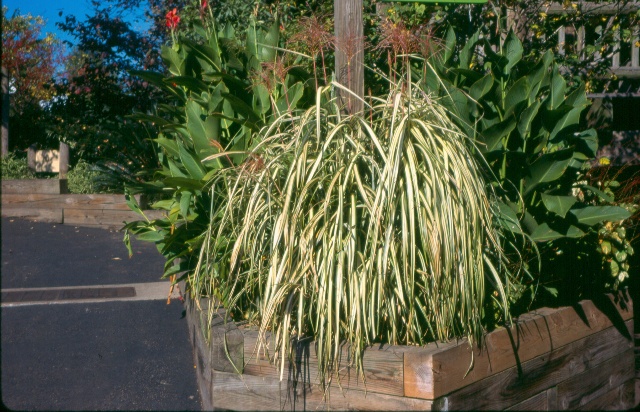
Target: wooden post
64,160
5,112
350,51
31,157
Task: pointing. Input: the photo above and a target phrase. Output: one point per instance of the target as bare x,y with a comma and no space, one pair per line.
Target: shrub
15,167
81,179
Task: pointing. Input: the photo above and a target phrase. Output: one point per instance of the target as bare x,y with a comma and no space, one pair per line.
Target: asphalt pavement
86,328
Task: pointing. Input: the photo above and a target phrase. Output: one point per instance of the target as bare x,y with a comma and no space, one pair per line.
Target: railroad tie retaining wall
578,357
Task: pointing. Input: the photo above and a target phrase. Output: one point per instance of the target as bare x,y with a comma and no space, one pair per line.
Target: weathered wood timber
503,389
35,214
74,201
587,386
431,373
96,210
349,52
383,366
50,186
619,399
583,358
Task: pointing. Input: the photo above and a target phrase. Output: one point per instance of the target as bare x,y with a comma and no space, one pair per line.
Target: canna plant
220,93
526,121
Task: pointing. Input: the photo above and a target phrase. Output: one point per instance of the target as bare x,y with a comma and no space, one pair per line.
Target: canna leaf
592,215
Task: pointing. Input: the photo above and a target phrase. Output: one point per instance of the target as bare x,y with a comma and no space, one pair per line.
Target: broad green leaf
537,75
526,119
176,63
196,126
572,118
467,51
517,94
271,41
150,236
185,202
481,87
261,103
252,42
544,233
493,136
166,204
191,83
169,145
191,164
508,219
512,50
578,97
587,143
592,215
174,168
559,205
288,101
132,202
548,168
184,183
207,53
556,94
241,107
449,44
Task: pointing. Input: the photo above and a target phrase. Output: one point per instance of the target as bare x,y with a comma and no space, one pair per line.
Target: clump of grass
352,229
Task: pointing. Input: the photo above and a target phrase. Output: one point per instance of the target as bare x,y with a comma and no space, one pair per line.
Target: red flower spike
172,19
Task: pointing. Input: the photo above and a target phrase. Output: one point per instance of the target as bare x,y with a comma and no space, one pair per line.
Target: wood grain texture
73,201
39,215
507,388
383,367
585,387
619,399
539,402
232,391
432,373
349,52
26,186
341,399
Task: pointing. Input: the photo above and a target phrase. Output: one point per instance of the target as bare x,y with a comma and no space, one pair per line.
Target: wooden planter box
578,357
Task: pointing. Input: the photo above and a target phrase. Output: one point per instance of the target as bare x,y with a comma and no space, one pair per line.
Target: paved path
86,328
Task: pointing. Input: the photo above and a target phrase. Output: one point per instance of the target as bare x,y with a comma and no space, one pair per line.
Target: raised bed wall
578,357
37,200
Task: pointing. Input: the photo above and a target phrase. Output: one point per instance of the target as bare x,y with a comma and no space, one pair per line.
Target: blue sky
49,10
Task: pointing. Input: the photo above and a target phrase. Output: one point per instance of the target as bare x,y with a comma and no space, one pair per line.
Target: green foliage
358,229
527,123
309,222
15,167
224,92
81,179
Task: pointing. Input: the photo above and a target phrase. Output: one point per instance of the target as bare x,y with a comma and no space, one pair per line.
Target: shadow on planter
550,359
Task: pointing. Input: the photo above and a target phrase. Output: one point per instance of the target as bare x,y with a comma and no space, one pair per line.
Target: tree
98,87
30,61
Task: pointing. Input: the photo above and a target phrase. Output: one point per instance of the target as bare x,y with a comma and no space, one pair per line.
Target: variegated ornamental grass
356,229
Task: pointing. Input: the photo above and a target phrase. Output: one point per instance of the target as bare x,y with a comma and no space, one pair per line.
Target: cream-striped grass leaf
356,229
